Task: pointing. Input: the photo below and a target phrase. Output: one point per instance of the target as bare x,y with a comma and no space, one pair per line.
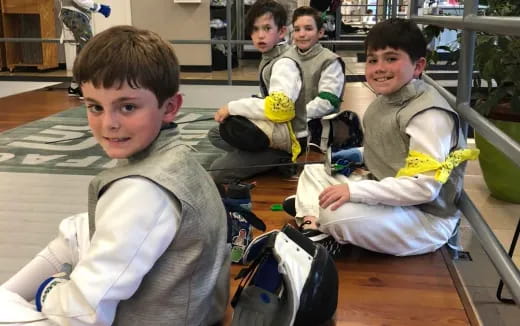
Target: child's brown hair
262,7
308,11
397,33
138,57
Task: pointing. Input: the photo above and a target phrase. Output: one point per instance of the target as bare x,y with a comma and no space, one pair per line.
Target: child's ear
281,32
420,65
172,105
321,32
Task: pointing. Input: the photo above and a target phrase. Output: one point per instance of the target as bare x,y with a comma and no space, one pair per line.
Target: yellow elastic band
280,109
417,163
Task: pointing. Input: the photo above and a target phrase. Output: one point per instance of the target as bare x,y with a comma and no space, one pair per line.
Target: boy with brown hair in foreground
152,249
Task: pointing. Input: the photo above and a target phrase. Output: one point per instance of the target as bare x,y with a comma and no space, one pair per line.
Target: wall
121,14
177,21
173,21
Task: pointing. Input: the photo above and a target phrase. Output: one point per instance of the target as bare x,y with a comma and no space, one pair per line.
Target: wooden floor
26,107
374,289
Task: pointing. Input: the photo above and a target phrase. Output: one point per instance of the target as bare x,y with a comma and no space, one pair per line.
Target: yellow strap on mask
417,163
280,108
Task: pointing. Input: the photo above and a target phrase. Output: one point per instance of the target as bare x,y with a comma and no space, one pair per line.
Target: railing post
229,51
394,8
467,51
413,8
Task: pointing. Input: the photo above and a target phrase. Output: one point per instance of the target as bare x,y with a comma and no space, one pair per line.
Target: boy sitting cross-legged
267,130
323,73
152,248
413,148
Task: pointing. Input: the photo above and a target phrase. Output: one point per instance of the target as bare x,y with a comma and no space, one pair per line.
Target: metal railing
229,42
469,23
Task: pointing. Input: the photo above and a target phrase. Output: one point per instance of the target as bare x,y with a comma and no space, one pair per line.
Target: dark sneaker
289,205
314,235
76,92
334,248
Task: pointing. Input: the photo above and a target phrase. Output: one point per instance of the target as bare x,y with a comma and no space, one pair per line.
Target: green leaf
491,101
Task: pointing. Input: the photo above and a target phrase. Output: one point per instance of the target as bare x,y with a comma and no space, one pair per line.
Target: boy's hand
222,114
336,195
104,10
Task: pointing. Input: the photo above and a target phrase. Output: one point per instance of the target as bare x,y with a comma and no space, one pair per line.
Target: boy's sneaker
76,92
334,248
289,205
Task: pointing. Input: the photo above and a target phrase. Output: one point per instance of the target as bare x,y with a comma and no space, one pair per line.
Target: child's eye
94,108
127,108
267,28
371,61
391,59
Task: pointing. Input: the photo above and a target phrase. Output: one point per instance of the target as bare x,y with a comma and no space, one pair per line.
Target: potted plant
497,59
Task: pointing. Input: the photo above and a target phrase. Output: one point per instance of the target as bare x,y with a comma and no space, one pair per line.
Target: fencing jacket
299,123
181,282
386,145
314,63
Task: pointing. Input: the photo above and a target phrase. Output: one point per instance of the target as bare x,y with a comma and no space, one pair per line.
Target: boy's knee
214,133
73,226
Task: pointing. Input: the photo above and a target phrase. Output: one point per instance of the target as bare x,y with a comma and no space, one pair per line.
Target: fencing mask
290,280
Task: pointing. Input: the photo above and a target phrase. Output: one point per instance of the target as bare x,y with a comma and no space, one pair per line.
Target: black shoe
76,92
334,248
289,205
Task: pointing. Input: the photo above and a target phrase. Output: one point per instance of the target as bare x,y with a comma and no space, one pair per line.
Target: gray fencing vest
189,283
266,66
386,142
299,123
312,63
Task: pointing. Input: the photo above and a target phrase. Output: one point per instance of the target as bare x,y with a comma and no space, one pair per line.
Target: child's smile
116,141
306,33
388,69
125,120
